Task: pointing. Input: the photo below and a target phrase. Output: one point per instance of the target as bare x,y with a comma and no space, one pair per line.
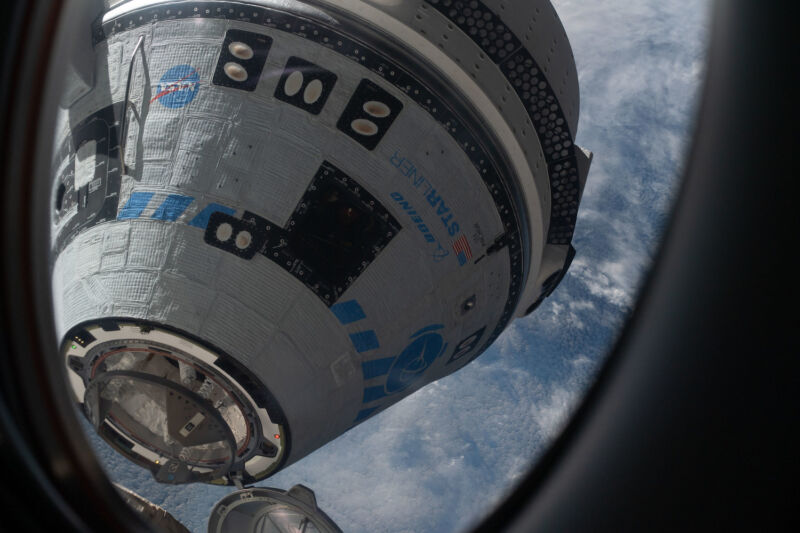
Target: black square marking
244,53
336,231
369,114
305,85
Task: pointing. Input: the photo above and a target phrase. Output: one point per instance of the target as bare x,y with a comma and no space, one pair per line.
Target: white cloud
442,457
606,280
640,64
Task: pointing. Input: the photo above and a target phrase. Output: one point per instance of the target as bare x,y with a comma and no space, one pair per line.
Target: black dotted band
497,41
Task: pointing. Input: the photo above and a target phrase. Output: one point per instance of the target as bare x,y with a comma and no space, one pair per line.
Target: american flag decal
462,250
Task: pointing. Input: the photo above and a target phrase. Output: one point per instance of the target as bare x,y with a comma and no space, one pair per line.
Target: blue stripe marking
364,340
348,312
172,207
201,219
136,204
377,367
373,393
364,413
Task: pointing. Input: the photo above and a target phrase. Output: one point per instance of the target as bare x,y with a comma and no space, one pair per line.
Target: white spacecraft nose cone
235,71
377,109
364,127
293,83
224,232
241,50
313,92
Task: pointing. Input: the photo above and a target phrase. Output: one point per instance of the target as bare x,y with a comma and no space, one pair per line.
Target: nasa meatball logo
427,345
178,87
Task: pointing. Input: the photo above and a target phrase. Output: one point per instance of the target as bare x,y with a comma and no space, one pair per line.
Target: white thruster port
313,92
224,232
294,82
243,239
240,50
235,71
377,109
364,127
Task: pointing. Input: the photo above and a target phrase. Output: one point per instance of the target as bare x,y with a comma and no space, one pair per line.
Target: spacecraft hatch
272,220
267,510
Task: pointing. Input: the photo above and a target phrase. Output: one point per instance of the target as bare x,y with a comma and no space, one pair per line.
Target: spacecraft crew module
273,219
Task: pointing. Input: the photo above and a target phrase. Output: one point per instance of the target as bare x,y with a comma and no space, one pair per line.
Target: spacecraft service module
274,219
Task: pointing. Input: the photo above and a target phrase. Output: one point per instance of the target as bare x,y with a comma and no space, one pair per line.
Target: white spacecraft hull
321,207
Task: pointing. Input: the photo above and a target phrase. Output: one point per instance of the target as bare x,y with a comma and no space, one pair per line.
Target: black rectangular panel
253,64
243,237
305,85
369,114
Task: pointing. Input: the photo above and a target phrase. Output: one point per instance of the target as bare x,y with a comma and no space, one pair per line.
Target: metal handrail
124,122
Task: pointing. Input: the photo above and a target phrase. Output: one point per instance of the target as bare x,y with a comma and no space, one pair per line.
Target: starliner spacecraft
273,219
